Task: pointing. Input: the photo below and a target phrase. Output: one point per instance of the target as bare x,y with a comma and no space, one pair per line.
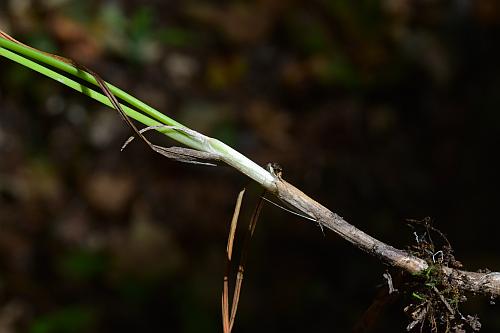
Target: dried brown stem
483,283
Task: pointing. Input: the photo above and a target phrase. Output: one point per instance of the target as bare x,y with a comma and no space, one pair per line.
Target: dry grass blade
241,266
186,155
229,314
180,154
229,251
167,152
234,223
149,128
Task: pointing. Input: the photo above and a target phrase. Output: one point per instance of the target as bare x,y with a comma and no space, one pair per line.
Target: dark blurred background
381,110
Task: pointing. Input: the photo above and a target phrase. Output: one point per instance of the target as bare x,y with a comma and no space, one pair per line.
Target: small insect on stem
275,169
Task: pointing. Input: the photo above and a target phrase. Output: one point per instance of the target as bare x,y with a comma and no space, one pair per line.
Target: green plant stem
227,154
97,96
46,59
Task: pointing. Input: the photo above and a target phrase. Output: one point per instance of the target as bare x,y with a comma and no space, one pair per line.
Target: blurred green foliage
73,319
179,37
82,265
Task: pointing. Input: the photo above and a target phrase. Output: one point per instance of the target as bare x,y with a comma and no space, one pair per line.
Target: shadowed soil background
380,110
